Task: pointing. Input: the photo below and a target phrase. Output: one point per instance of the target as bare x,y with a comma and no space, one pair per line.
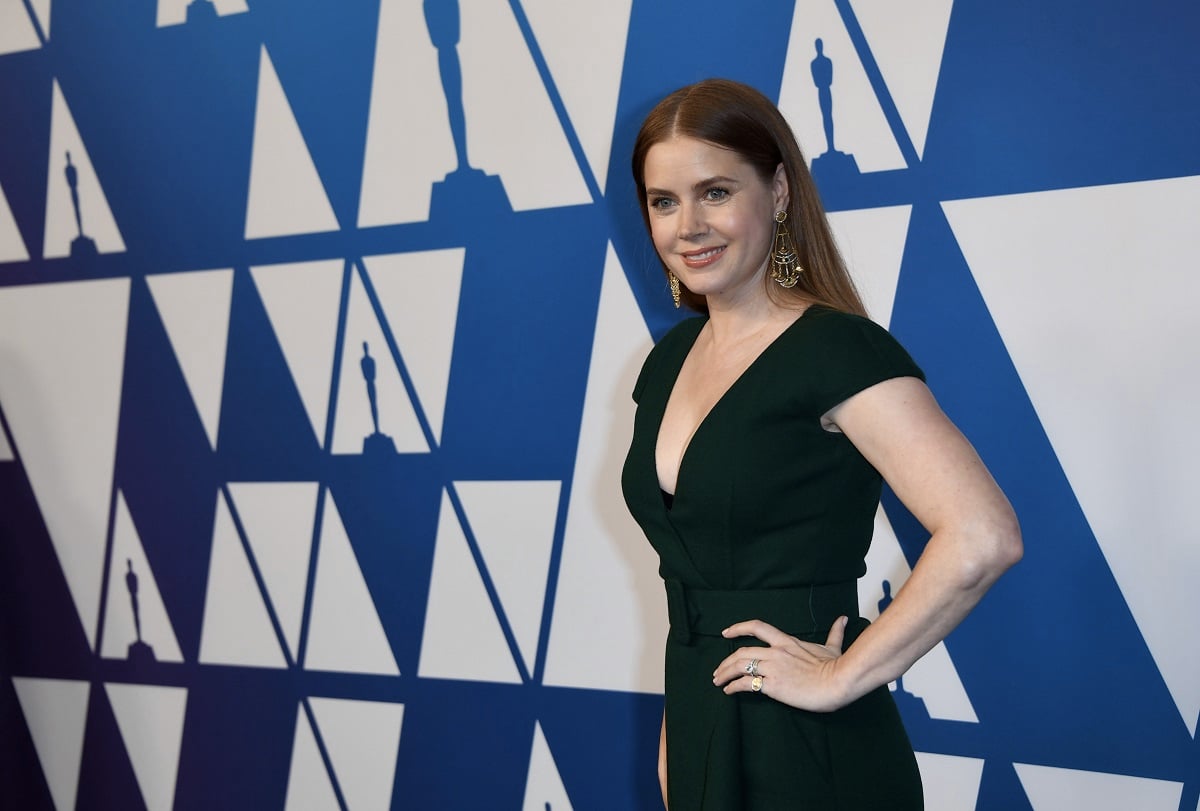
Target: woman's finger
757,629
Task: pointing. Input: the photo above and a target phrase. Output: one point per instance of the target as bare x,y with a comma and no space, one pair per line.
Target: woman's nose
691,222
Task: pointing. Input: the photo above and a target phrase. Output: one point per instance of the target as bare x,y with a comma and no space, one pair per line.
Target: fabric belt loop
677,612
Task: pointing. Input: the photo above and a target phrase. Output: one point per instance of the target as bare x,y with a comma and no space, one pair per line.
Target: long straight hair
737,117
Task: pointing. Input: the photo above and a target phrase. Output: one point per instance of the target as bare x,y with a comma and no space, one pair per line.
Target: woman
762,431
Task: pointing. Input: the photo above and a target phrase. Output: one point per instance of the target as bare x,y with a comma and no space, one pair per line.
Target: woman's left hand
800,674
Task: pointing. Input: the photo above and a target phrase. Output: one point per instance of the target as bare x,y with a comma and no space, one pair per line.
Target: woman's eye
660,203
716,194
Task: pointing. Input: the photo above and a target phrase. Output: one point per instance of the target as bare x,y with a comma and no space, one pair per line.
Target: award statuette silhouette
911,706
81,245
465,182
139,651
831,165
376,444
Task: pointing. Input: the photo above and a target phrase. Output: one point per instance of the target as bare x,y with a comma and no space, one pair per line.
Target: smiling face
711,217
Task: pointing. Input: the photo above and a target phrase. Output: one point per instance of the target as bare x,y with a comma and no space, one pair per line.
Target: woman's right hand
662,760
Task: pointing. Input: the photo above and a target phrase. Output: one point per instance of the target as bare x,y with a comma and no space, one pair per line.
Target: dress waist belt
799,611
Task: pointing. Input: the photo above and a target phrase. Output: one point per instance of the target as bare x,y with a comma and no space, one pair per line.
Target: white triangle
860,127
16,29
1054,789
237,629
353,423
512,128
62,353
302,300
151,722
609,609
194,308
872,242
418,293
907,41
278,518
97,218
584,45
932,678
120,631
174,12
1054,268
951,783
309,787
513,523
55,711
344,632
363,741
409,145
459,616
12,247
41,10
286,194
543,785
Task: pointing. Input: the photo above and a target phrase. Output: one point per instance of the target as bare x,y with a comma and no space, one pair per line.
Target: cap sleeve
848,354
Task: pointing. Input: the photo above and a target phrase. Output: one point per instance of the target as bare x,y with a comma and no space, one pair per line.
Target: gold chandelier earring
785,264
673,280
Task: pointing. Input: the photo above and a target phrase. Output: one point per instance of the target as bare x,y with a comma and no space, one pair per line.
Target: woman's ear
780,187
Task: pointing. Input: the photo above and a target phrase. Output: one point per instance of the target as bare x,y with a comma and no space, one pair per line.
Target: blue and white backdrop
318,323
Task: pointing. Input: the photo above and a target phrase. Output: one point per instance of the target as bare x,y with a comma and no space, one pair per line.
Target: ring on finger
752,668
756,684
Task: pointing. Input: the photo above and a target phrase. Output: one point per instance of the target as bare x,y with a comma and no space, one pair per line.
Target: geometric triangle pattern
61,352
513,130
609,599
302,303
543,785
362,738
951,783
409,144
278,519
908,44
286,195
374,407
1054,245
17,33
872,243
460,615
853,99
194,308
1050,788
513,524
41,16
419,295
237,628
55,711
309,787
151,722
79,221
319,325
136,624
584,48
12,247
345,633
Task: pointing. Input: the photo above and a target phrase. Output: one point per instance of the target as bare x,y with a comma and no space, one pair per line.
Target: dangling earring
674,282
785,265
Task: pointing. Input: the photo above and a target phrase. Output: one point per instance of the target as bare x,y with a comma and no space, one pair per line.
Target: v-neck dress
771,519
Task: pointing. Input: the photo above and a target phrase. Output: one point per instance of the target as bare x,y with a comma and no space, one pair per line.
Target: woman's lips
699,259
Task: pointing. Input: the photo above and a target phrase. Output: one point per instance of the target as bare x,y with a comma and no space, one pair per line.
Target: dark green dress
771,519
